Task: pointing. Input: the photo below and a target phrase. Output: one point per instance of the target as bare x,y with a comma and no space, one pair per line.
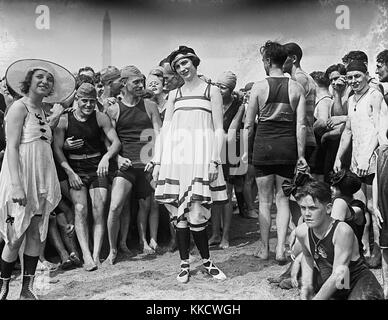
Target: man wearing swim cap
87,167
361,129
135,120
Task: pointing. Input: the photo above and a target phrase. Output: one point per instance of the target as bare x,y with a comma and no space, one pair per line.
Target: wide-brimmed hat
64,81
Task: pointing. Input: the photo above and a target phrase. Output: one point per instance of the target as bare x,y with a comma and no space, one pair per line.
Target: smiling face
135,85
86,105
314,213
334,77
185,69
357,80
42,83
382,71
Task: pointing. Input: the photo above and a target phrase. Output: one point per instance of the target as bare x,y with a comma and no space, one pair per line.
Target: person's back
275,141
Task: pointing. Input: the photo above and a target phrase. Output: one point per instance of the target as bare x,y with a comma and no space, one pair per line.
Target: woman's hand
155,173
18,196
213,171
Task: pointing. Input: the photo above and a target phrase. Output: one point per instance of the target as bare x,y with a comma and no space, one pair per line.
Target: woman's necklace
316,244
358,100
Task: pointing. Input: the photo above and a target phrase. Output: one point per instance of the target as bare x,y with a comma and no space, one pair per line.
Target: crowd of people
121,144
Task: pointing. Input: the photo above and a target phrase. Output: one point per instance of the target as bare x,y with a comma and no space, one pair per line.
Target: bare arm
339,209
300,121
346,139
343,247
14,124
59,139
216,103
169,106
252,108
106,125
307,263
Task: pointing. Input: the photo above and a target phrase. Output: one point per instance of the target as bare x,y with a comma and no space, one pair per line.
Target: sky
226,34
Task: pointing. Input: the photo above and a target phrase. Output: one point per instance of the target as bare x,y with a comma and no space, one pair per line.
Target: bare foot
281,256
262,252
90,265
147,249
214,240
224,244
154,245
97,261
112,257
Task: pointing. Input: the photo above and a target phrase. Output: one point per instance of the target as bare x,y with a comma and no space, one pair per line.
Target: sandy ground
154,277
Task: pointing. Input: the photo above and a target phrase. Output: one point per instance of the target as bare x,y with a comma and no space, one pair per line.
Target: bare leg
227,218
98,197
125,220
142,217
80,201
265,186
56,240
121,189
154,223
282,219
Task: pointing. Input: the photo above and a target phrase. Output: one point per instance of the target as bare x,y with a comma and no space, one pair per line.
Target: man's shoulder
113,109
301,230
343,230
150,104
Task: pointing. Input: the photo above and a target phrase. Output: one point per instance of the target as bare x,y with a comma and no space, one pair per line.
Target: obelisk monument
106,41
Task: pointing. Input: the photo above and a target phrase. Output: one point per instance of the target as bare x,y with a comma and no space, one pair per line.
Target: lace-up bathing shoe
184,274
213,270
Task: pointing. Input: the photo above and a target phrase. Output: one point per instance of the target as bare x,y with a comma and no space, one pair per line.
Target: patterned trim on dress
176,202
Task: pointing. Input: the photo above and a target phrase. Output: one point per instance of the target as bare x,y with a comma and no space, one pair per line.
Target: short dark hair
318,190
86,69
82,78
26,83
355,55
383,57
276,53
339,67
294,49
320,78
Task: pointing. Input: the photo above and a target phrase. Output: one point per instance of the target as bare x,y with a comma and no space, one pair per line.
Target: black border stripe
192,108
192,98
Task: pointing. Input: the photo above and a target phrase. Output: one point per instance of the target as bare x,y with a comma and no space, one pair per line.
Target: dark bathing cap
356,65
87,90
180,53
